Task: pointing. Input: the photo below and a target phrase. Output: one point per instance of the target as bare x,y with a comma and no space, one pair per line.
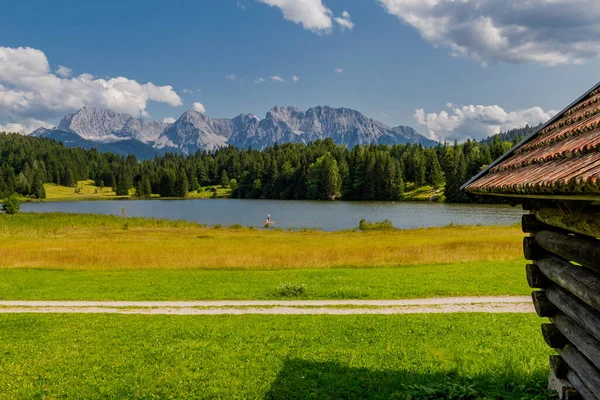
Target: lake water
325,215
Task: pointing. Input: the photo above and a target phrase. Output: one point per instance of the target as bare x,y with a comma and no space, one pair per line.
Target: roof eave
525,140
528,196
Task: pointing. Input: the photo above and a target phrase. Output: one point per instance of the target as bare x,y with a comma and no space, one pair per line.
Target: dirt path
509,304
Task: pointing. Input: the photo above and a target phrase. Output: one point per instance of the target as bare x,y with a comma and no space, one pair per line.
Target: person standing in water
268,220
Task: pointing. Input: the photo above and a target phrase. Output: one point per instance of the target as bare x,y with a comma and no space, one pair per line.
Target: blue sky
438,66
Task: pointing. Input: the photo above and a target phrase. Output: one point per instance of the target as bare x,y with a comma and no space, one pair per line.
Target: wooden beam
532,249
553,336
585,222
543,306
589,375
585,315
559,367
591,198
535,278
583,392
582,250
530,224
581,282
576,334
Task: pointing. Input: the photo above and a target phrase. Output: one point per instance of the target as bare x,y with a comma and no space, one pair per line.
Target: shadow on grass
299,379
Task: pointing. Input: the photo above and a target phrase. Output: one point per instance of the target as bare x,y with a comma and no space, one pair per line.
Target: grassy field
468,279
93,257
87,190
423,193
274,357
94,242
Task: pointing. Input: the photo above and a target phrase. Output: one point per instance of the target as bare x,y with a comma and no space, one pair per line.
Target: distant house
555,175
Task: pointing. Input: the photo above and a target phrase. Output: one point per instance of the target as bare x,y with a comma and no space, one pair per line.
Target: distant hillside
122,147
509,136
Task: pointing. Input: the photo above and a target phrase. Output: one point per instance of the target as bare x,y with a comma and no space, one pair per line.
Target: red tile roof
561,158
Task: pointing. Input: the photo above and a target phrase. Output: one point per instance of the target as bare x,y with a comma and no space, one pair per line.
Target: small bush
236,226
385,225
291,289
12,205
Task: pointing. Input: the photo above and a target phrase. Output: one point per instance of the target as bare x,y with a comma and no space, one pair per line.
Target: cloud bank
477,122
30,93
311,14
199,107
550,32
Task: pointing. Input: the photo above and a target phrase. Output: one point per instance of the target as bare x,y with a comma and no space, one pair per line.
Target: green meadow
101,356
454,356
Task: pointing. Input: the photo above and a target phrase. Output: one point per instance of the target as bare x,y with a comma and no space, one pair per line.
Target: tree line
321,170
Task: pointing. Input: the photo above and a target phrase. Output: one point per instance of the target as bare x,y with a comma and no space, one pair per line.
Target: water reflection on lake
325,215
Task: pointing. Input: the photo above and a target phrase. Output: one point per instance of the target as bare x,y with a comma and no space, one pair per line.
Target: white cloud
384,114
230,77
339,70
199,107
28,89
277,78
477,122
311,14
295,78
344,21
187,91
169,120
260,80
64,71
240,5
550,32
25,126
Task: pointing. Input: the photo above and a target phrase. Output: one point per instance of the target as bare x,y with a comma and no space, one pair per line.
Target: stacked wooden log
565,251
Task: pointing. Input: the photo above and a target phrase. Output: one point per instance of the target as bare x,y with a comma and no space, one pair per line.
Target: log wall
564,249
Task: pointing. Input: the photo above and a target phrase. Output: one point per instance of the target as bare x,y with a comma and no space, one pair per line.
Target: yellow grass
102,243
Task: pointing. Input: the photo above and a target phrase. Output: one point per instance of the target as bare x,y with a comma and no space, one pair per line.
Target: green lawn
319,357
468,279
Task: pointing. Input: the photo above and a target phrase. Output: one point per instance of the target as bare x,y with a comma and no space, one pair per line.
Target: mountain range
120,133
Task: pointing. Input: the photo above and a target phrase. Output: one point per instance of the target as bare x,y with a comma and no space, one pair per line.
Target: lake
326,215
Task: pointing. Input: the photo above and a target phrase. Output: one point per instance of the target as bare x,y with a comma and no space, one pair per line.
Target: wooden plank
535,278
532,249
577,362
576,334
582,250
585,315
583,392
585,222
559,367
553,336
582,282
543,306
530,224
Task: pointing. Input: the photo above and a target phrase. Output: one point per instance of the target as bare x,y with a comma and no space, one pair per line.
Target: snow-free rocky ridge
194,131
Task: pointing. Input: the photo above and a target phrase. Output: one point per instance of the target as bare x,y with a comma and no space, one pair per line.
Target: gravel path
509,304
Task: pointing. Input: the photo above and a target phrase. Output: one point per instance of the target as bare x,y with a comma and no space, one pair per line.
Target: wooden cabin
554,174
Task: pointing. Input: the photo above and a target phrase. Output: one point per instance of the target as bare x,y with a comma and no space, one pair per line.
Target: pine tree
68,179
434,176
182,186
37,187
122,186
323,178
224,179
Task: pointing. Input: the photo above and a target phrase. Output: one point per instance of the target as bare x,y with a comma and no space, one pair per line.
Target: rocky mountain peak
194,131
